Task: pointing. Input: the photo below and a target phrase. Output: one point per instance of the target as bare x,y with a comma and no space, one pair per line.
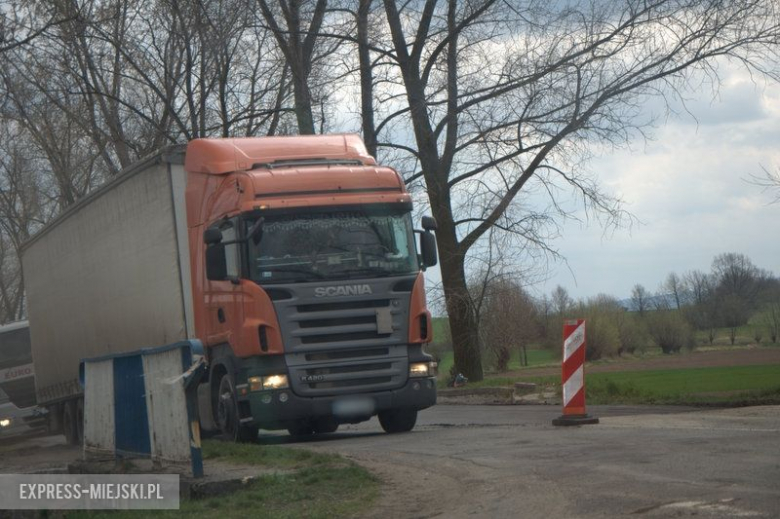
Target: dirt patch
695,359
47,454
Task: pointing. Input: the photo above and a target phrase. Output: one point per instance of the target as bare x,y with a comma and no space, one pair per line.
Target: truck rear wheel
398,420
80,421
70,422
228,419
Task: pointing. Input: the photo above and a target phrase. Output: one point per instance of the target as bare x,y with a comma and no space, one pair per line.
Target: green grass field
713,385
694,384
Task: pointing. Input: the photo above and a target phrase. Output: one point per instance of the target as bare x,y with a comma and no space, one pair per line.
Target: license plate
347,407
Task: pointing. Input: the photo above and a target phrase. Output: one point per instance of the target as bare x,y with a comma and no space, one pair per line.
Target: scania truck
293,260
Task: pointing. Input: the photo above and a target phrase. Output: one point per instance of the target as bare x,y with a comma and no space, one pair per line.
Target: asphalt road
509,461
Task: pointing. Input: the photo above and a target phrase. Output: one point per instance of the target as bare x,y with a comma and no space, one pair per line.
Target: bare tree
296,26
25,204
507,98
22,22
138,76
769,181
111,82
366,67
640,298
736,275
674,286
561,301
507,321
544,310
11,286
699,285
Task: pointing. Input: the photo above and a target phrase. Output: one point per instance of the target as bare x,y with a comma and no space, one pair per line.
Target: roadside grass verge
308,485
266,456
730,385
536,358
317,491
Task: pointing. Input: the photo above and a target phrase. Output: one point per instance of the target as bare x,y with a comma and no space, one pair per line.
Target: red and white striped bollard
573,376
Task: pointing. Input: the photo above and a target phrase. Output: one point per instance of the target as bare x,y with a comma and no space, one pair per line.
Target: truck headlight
422,369
5,422
268,382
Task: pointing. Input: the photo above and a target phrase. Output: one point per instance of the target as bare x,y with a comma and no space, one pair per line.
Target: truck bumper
281,408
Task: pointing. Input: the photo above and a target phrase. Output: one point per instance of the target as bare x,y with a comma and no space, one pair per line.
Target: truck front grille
343,323
338,372
346,344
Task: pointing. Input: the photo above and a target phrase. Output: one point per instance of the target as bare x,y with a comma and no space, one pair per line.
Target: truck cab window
232,257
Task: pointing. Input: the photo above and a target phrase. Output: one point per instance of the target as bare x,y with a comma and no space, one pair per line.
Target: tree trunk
366,79
463,325
302,95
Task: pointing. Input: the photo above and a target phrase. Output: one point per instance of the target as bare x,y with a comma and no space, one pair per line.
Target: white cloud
688,189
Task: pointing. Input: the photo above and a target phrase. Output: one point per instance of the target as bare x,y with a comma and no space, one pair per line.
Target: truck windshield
343,244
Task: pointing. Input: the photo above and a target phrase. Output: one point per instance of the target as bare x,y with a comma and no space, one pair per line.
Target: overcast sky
688,190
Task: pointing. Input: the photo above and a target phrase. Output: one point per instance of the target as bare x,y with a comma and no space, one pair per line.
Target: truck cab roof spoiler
306,162
223,156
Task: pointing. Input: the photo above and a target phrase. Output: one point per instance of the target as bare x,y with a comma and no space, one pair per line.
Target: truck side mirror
429,223
216,262
212,235
428,249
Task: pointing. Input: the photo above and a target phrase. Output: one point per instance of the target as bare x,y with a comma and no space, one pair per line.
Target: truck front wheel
300,428
325,425
228,419
398,420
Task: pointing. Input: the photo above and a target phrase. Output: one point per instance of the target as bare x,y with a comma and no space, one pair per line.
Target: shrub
632,331
602,335
601,326
670,331
507,321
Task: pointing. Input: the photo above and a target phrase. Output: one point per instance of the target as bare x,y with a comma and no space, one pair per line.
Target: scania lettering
351,290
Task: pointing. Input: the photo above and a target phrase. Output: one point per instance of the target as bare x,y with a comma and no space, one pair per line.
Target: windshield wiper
376,272
316,274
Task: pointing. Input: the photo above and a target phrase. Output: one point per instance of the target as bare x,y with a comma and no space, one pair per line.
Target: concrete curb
220,478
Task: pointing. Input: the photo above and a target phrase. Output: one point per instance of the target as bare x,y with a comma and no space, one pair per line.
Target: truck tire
301,428
80,421
54,419
227,413
325,425
69,422
398,420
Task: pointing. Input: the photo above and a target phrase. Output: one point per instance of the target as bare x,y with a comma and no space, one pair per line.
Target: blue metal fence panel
148,401
131,418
